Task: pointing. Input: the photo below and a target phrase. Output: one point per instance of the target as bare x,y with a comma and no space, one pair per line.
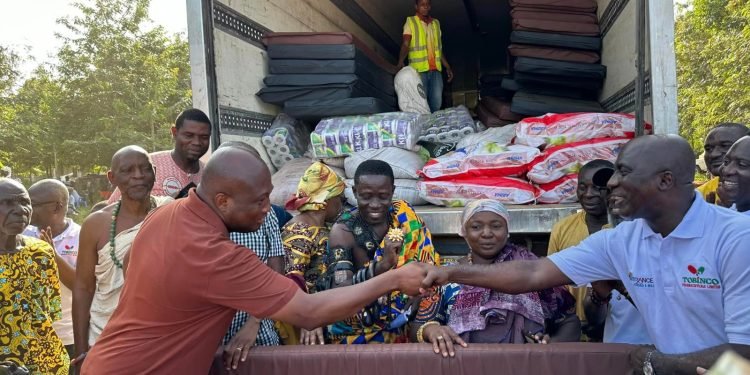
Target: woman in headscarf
465,314
319,200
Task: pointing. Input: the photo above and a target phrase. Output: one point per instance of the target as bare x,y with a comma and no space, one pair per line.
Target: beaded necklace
113,231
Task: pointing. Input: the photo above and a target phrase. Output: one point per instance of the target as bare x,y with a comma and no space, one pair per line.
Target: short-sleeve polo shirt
691,287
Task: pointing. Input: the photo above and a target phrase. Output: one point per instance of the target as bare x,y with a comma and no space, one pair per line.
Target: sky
31,24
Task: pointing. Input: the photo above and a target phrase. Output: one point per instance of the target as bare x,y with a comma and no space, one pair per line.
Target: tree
9,75
712,44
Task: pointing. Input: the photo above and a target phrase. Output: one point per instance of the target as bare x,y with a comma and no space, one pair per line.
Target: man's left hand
241,343
449,71
46,236
638,356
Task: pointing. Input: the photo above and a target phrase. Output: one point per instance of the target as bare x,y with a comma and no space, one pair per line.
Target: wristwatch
648,369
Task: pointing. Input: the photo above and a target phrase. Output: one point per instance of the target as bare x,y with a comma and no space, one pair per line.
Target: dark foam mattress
278,95
536,105
588,43
583,6
360,66
561,27
560,73
545,88
553,53
317,109
297,38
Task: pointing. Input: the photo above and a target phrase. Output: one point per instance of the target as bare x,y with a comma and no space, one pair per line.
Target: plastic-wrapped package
405,163
559,191
410,91
556,162
558,129
503,136
406,190
285,140
447,126
458,193
341,136
485,159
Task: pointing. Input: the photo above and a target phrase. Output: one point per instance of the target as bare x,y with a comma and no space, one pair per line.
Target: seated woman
319,200
466,314
361,246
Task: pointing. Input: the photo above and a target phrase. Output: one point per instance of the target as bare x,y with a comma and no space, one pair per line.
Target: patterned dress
305,248
29,303
384,321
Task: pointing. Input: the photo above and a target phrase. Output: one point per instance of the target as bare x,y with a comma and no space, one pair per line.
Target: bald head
126,152
241,145
658,153
237,184
49,189
15,207
49,198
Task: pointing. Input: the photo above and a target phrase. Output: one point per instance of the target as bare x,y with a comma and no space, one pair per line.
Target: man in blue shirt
734,178
685,262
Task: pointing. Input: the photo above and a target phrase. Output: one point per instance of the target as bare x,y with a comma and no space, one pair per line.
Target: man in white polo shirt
734,178
49,201
685,262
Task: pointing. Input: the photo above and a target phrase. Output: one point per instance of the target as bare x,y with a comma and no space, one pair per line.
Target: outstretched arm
310,311
513,277
683,363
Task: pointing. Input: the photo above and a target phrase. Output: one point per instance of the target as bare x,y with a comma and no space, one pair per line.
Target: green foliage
116,82
712,43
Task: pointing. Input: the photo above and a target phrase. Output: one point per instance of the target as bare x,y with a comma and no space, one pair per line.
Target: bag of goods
488,159
457,193
404,163
503,136
556,162
434,149
342,136
410,92
406,190
560,191
285,140
285,181
448,125
557,129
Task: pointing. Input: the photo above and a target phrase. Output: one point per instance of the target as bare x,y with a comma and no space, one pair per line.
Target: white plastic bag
410,91
458,193
405,163
406,190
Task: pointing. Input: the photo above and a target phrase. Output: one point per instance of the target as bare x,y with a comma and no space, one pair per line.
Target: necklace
113,231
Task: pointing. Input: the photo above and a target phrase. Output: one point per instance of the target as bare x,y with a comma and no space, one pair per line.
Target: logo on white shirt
697,281
641,281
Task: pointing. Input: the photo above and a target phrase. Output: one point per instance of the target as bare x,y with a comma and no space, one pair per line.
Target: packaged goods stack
318,75
535,160
554,48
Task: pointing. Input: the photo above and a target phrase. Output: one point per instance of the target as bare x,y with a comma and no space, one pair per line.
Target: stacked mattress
316,75
554,48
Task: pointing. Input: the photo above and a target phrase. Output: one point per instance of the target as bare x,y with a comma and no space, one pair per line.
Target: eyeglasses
35,204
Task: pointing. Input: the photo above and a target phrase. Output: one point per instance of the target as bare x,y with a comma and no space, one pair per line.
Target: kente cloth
388,315
319,184
29,303
469,309
110,278
304,247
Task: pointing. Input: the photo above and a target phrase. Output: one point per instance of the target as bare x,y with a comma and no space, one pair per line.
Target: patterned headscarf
319,184
482,205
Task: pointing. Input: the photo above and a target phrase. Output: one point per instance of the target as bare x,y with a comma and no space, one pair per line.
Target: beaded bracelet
598,301
420,331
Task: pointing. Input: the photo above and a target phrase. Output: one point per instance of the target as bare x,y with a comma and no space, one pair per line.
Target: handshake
418,278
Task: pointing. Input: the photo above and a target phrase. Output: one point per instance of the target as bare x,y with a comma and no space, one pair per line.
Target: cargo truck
229,62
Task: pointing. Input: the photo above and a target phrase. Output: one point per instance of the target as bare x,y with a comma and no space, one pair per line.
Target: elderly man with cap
684,261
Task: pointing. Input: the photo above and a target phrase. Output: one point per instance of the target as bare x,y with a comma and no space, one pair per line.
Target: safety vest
418,54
